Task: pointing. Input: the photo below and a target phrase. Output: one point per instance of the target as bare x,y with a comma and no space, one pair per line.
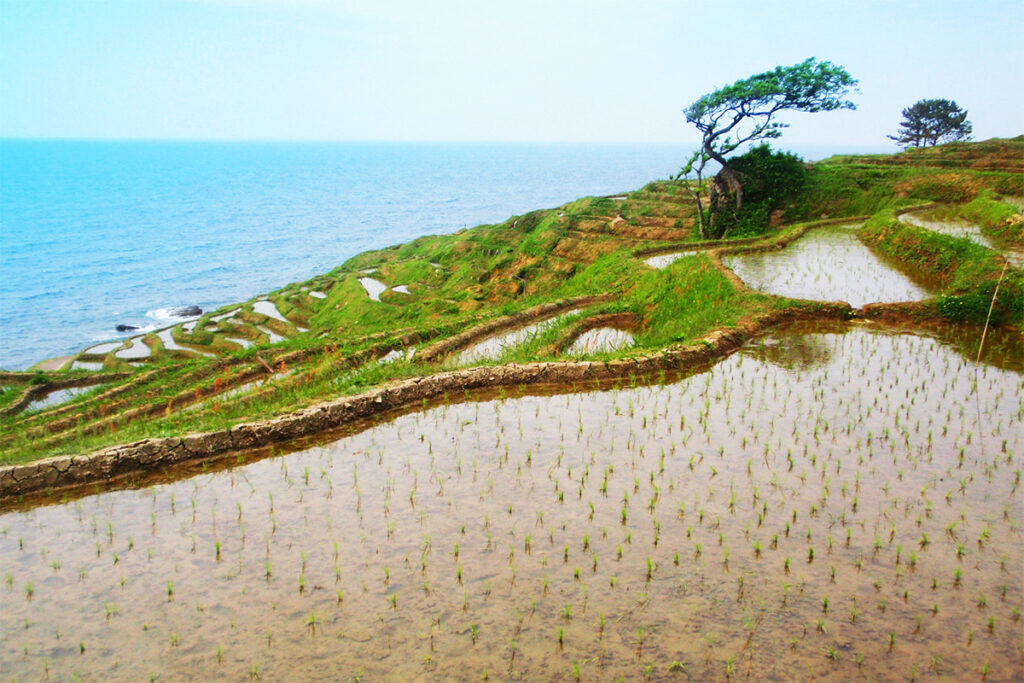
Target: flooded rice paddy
135,351
819,504
968,231
600,340
268,309
167,340
493,347
826,264
663,261
105,348
55,398
273,337
953,228
374,288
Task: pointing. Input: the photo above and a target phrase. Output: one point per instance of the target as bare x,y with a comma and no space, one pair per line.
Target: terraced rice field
841,503
827,264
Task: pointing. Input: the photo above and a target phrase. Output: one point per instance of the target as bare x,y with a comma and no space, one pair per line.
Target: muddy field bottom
835,505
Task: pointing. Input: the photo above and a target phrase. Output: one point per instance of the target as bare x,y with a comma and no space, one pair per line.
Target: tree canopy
926,123
744,112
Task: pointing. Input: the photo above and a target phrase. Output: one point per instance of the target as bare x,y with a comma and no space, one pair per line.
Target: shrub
770,181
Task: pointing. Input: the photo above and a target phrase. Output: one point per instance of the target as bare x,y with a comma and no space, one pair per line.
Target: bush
770,181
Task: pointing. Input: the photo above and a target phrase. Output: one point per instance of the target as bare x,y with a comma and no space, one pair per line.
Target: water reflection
827,264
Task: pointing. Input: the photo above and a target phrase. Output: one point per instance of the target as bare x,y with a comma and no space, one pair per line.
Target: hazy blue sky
543,70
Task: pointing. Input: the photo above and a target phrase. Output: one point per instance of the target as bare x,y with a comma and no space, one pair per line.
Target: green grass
966,271
996,218
683,302
9,395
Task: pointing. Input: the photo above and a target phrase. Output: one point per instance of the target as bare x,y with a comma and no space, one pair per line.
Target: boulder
126,328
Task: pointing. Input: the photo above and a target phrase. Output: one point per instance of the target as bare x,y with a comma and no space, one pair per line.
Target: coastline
276,354
214,223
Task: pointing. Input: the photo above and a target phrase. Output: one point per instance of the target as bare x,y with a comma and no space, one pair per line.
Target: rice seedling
569,438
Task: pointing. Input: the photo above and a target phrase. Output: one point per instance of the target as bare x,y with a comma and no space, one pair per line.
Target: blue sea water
93,234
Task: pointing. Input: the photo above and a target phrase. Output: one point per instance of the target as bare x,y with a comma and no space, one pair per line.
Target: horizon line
57,138
184,140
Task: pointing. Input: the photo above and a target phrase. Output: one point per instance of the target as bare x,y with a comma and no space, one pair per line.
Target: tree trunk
732,182
695,195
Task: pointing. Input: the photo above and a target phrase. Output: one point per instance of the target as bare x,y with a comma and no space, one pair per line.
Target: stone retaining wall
124,460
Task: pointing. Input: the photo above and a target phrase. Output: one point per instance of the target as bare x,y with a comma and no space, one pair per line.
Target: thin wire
977,361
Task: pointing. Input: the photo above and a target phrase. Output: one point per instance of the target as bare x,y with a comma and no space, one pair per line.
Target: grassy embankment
967,272
586,247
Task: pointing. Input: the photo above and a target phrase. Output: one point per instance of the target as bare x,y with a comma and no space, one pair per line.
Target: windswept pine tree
926,123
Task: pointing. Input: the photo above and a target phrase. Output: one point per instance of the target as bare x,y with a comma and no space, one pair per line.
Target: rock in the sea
126,328
186,311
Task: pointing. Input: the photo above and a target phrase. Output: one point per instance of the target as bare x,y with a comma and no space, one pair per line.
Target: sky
486,70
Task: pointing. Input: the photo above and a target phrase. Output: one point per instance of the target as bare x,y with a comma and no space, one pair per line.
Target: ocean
96,234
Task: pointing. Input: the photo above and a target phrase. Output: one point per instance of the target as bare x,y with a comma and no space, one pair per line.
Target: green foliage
770,180
743,112
810,86
39,378
972,307
929,122
1009,184
8,395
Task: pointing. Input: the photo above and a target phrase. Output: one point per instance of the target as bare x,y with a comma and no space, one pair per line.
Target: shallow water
953,228
826,264
619,531
101,349
374,288
136,350
55,398
244,343
396,355
663,261
1016,202
273,336
600,340
222,316
171,345
967,230
269,309
493,347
